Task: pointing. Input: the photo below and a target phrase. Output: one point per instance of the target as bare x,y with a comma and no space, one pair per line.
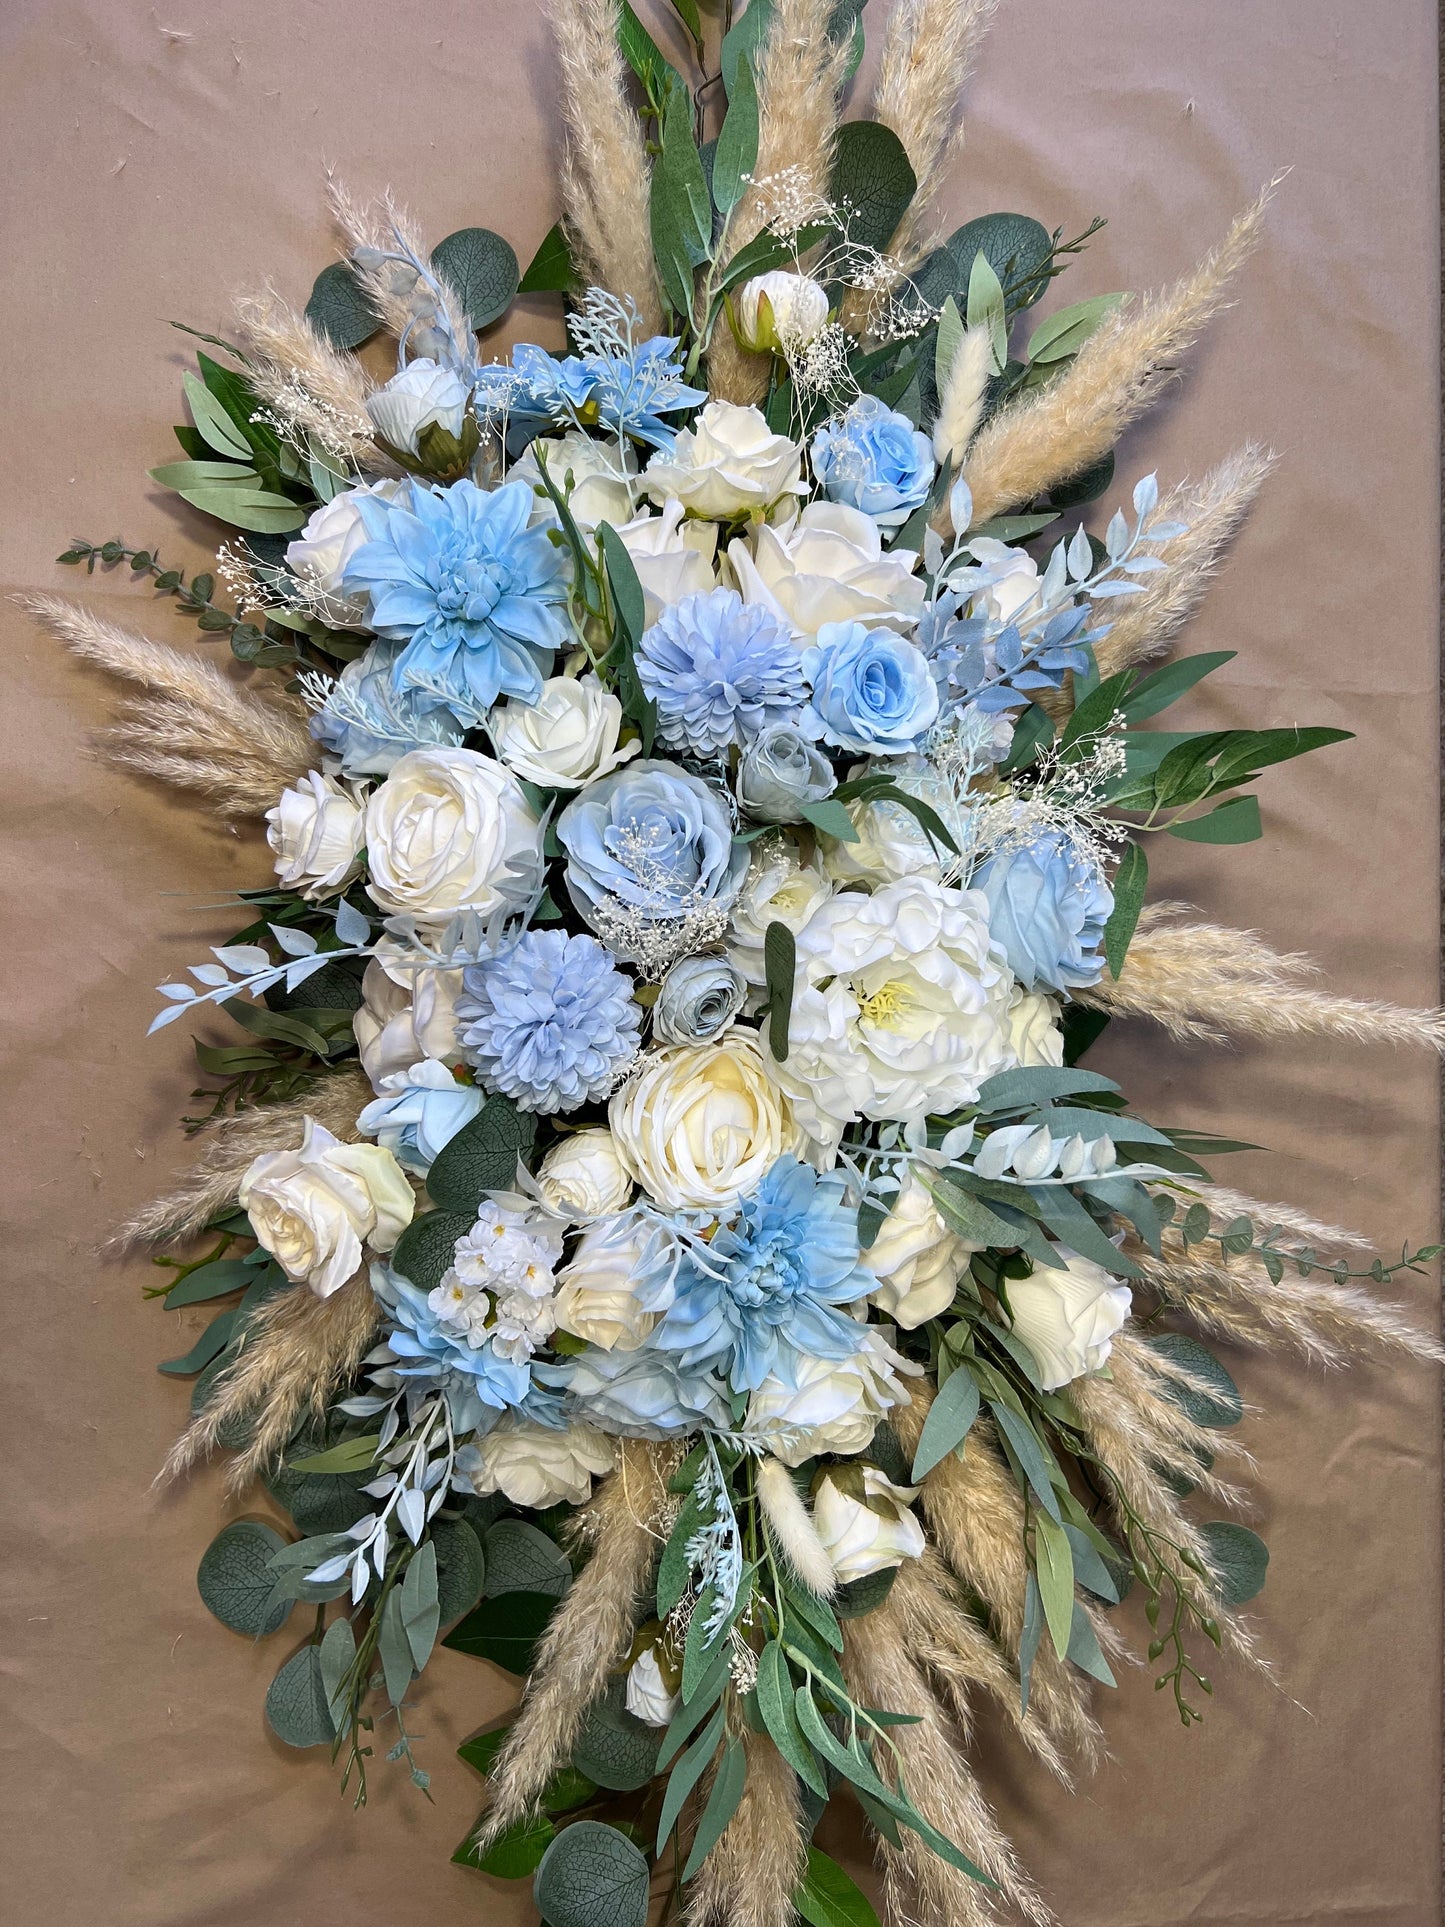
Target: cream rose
619,1280
729,463
583,1174
864,1521
917,1259
1006,582
313,1208
673,558
778,888
892,843
1067,1315
441,831
1035,1032
535,1466
317,830
408,1012
701,1123
564,740
828,566
601,490
320,553
835,1404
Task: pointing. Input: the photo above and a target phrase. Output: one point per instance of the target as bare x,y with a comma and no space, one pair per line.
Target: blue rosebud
875,460
720,670
699,999
1048,904
780,771
370,725
872,692
418,1113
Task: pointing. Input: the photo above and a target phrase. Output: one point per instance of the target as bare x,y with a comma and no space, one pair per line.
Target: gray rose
781,771
699,999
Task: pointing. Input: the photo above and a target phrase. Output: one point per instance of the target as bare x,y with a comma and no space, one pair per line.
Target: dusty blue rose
875,460
652,842
872,692
699,999
779,772
1048,905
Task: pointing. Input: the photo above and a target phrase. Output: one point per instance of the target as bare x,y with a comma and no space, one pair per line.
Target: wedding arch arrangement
664,1238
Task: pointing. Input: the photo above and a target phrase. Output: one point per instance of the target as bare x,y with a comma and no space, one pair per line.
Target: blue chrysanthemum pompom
549,1022
720,671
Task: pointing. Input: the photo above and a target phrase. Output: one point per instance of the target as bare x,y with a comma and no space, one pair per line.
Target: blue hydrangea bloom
418,1113
875,460
720,671
644,1394
769,1290
1048,904
872,692
550,1021
627,392
476,1381
456,575
653,840
369,724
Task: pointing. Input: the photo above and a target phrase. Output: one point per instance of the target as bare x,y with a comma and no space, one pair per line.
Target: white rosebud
649,1698
314,1208
834,1405
917,1259
422,394
317,830
729,463
864,1521
583,1174
618,1282
828,566
779,313
441,832
564,740
319,555
1035,1033
1004,584
599,491
673,558
1067,1316
408,1012
537,1466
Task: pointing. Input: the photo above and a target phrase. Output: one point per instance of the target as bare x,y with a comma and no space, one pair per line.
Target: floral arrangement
666,1241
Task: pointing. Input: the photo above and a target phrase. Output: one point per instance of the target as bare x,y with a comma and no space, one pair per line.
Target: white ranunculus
673,558
566,739
918,1260
424,392
441,831
778,888
583,1174
649,1698
701,1123
866,1531
408,1012
314,1208
619,1280
1067,1315
729,463
899,1007
535,1466
317,830
836,1403
1035,1032
779,313
1006,582
332,535
829,566
600,489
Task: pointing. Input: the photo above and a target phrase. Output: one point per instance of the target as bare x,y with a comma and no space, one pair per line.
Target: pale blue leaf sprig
245,969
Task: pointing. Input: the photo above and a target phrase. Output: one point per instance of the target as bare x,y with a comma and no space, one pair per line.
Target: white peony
1067,1315
601,489
778,888
649,1698
313,1208
864,1521
917,1259
564,740
441,832
701,1123
408,1012
317,829
319,554
422,395
535,1466
584,1175
779,313
899,1007
673,558
729,463
619,1280
1035,1031
828,566
836,1403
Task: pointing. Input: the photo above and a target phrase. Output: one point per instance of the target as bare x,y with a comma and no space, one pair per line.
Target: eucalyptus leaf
297,1708
516,1851
426,1248
482,270
339,309
482,1157
592,1875
872,182
521,1558
504,1630
235,1581
461,1568
1239,1557
950,1416
616,1750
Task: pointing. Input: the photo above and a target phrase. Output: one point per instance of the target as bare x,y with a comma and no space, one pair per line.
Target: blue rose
872,691
1048,904
650,844
370,725
875,460
699,999
779,772
418,1113
643,1394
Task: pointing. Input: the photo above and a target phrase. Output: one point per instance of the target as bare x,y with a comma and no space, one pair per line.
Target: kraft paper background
158,156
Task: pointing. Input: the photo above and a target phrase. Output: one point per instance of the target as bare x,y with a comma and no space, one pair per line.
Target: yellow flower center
885,1005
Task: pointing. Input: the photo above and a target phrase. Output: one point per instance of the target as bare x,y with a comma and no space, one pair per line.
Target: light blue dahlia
550,1021
433,1354
721,671
645,1394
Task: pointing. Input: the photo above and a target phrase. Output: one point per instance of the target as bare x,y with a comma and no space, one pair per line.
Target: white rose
779,313
866,1531
422,394
312,1209
899,1007
828,566
649,1698
701,1123
317,830
619,1280
1005,584
566,739
917,1259
727,464
1035,1032
834,1406
673,558
600,489
441,831
1067,1315
535,1466
408,1012
892,843
332,535
583,1174
778,888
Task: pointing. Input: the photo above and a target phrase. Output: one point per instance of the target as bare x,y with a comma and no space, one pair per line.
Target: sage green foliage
521,1558
339,309
425,1250
482,1157
481,268
616,1750
235,1581
296,1701
592,1876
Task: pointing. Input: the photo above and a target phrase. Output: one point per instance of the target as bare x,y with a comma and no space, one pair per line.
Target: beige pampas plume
382,227
749,1878
791,1529
1074,421
960,406
1142,626
929,48
197,729
606,175
314,391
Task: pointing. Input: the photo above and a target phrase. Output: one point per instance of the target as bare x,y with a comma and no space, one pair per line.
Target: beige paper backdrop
156,156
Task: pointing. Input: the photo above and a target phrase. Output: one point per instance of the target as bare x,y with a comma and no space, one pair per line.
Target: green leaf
521,1558
550,270
722,1804
863,1596
1054,1561
622,579
950,340
337,1653
395,1650
949,1420
1084,1651
1130,884
986,308
1165,686
1217,1408
695,1707
516,1851
338,308
691,1765
742,41
482,1157
615,1749
872,182
504,1630
461,1568
780,963
680,208
426,1248
1062,1212
687,9
832,819
828,1897
420,1607
1033,732
1016,247
1033,1456
482,1749
737,145
646,59
235,1581
1234,821
1089,1567
1239,1558
768,250
1066,331
1024,1089
592,1876
352,1455
969,1217
213,1339
215,425
775,1703
210,1281
192,475
481,268
296,1701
